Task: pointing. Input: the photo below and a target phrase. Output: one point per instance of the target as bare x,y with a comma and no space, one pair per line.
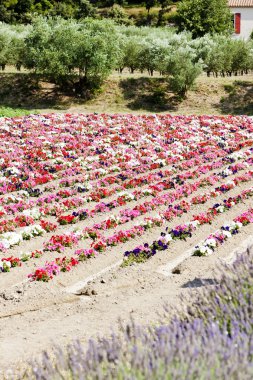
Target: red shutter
237,23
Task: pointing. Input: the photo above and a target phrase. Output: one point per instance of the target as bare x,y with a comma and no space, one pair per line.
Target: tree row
81,55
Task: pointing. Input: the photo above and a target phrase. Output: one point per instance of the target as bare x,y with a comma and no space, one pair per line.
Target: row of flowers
212,242
10,239
59,242
125,197
142,253
169,214
175,146
55,163
181,232
126,215
139,254
45,155
20,203
130,214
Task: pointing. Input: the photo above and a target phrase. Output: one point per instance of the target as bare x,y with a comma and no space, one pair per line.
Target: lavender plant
213,340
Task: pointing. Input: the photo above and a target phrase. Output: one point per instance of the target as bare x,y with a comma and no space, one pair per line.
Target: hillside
128,93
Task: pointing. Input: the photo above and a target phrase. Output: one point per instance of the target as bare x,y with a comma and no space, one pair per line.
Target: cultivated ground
36,315
91,298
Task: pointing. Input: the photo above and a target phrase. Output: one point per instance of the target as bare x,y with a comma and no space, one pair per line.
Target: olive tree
78,54
182,68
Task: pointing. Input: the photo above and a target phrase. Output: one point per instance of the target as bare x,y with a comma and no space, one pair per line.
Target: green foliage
79,56
132,53
204,16
118,14
86,9
163,51
134,259
12,44
13,112
183,71
23,11
225,55
111,3
89,55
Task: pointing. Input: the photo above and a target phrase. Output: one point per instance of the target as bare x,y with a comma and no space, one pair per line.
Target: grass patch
13,112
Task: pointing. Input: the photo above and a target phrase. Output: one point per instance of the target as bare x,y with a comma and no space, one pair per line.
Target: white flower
237,155
7,263
88,186
209,251
10,238
23,193
239,224
227,234
128,196
146,191
77,231
203,249
194,223
37,229
167,238
220,209
229,225
227,172
211,242
115,218
5,243
13,170
115,168
33,213
31,231
101,170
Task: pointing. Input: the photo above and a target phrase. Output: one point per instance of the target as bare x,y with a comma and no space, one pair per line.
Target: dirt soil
35,315
130,93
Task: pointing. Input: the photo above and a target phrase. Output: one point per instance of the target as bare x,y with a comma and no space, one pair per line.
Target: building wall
246,21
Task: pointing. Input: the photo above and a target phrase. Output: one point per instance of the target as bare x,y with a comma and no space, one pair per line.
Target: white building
243,17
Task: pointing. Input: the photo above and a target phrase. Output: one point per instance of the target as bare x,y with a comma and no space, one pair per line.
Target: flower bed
82,184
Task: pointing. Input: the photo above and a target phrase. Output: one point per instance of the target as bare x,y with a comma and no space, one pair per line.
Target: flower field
95,174
81,192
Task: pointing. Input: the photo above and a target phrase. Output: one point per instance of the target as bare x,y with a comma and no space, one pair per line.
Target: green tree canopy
204,16
81,55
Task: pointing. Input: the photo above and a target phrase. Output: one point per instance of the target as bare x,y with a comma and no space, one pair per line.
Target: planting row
62,170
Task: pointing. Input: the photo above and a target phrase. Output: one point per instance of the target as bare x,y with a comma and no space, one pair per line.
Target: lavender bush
213,340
